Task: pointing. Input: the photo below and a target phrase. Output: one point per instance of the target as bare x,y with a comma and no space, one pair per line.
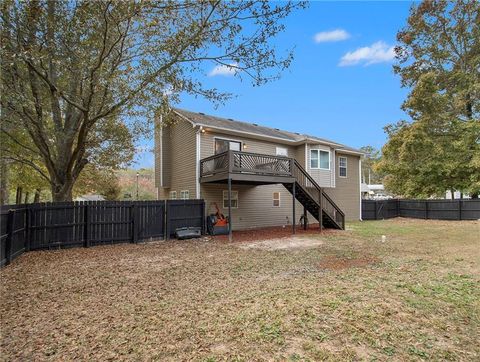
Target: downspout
197,162
360,184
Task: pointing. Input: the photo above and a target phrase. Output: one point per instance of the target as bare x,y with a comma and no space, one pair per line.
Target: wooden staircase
314,199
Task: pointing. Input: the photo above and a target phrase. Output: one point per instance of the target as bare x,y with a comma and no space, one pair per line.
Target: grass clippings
350,297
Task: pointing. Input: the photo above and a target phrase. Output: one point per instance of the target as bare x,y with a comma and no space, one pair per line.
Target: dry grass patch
414,297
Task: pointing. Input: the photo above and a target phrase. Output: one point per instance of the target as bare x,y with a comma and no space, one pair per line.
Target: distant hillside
146,184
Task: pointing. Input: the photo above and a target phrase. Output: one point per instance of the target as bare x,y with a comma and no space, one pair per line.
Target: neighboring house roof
230,125
90,197
376,187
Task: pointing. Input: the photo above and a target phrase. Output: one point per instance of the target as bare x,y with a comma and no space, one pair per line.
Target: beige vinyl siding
158,150
256,146
346,194
300,155
324,178
255,205
178,159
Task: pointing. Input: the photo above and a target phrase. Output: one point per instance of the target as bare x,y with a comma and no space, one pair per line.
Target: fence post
398,208
167,223
28,232
134,217
86,225
8,241
376,209
203,217
460,209
426,209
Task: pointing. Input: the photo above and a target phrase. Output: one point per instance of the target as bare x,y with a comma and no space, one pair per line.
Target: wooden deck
246,168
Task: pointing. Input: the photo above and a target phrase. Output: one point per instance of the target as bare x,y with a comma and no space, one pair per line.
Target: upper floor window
184,195
342,166
172,195
222,145
281,151
320,159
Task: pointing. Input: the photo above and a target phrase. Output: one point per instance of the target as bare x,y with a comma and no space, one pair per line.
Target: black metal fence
73,224
421,209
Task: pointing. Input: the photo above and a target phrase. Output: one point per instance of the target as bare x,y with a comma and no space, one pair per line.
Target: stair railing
305,180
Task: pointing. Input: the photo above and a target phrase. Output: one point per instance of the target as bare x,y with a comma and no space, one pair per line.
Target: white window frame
225,198
318,150
276,199
172,195
340,166
184,194
279,151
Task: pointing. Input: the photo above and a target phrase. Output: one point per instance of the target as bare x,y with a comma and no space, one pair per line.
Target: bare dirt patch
285,243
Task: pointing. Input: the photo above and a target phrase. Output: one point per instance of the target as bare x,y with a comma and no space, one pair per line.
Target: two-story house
256,172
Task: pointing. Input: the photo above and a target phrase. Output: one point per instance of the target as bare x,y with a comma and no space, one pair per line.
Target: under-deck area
245,168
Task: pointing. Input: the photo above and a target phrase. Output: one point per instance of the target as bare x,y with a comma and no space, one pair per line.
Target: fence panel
13,232
151,220
421,209
185,213
470,209
443,209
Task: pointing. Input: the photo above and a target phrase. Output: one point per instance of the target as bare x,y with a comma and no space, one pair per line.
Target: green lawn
340,296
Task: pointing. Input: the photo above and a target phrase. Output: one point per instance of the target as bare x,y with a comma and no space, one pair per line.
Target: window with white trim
184,195
172,195
234,199
276,199
342,167
320,159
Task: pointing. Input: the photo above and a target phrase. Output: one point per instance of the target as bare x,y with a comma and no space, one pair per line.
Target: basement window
276,199
172,195
184,195
234,199
342,167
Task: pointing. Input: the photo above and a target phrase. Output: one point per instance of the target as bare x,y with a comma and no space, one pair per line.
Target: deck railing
246,163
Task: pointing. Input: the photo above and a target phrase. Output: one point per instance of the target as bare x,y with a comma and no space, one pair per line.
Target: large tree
439,61
82,75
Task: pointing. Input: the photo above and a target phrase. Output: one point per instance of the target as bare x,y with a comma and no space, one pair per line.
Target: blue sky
340,86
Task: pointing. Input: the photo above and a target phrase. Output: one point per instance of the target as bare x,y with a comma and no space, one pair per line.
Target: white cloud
225,70
329,36
376,53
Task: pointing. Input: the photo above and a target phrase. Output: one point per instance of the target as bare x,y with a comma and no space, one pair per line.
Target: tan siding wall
255,205
346,194
158,149
253,145
300,155
323,177
179,161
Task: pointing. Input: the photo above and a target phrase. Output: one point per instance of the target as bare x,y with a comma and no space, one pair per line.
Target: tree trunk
18,198
3,182
27,194
36,198
63,192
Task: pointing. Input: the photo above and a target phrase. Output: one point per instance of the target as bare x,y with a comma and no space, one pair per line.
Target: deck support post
320,211
304,218
229,209
293,209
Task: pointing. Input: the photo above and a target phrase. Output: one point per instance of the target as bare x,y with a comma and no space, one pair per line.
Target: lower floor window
172,195
184,195
234,199
276,199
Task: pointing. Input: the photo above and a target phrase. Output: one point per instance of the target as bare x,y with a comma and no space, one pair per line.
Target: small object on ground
217,224
188,233
384,238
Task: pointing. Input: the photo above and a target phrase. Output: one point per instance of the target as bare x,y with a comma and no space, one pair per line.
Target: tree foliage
439,61
369,172
81,76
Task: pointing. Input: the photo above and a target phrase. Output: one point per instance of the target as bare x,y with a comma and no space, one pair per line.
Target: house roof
231,125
